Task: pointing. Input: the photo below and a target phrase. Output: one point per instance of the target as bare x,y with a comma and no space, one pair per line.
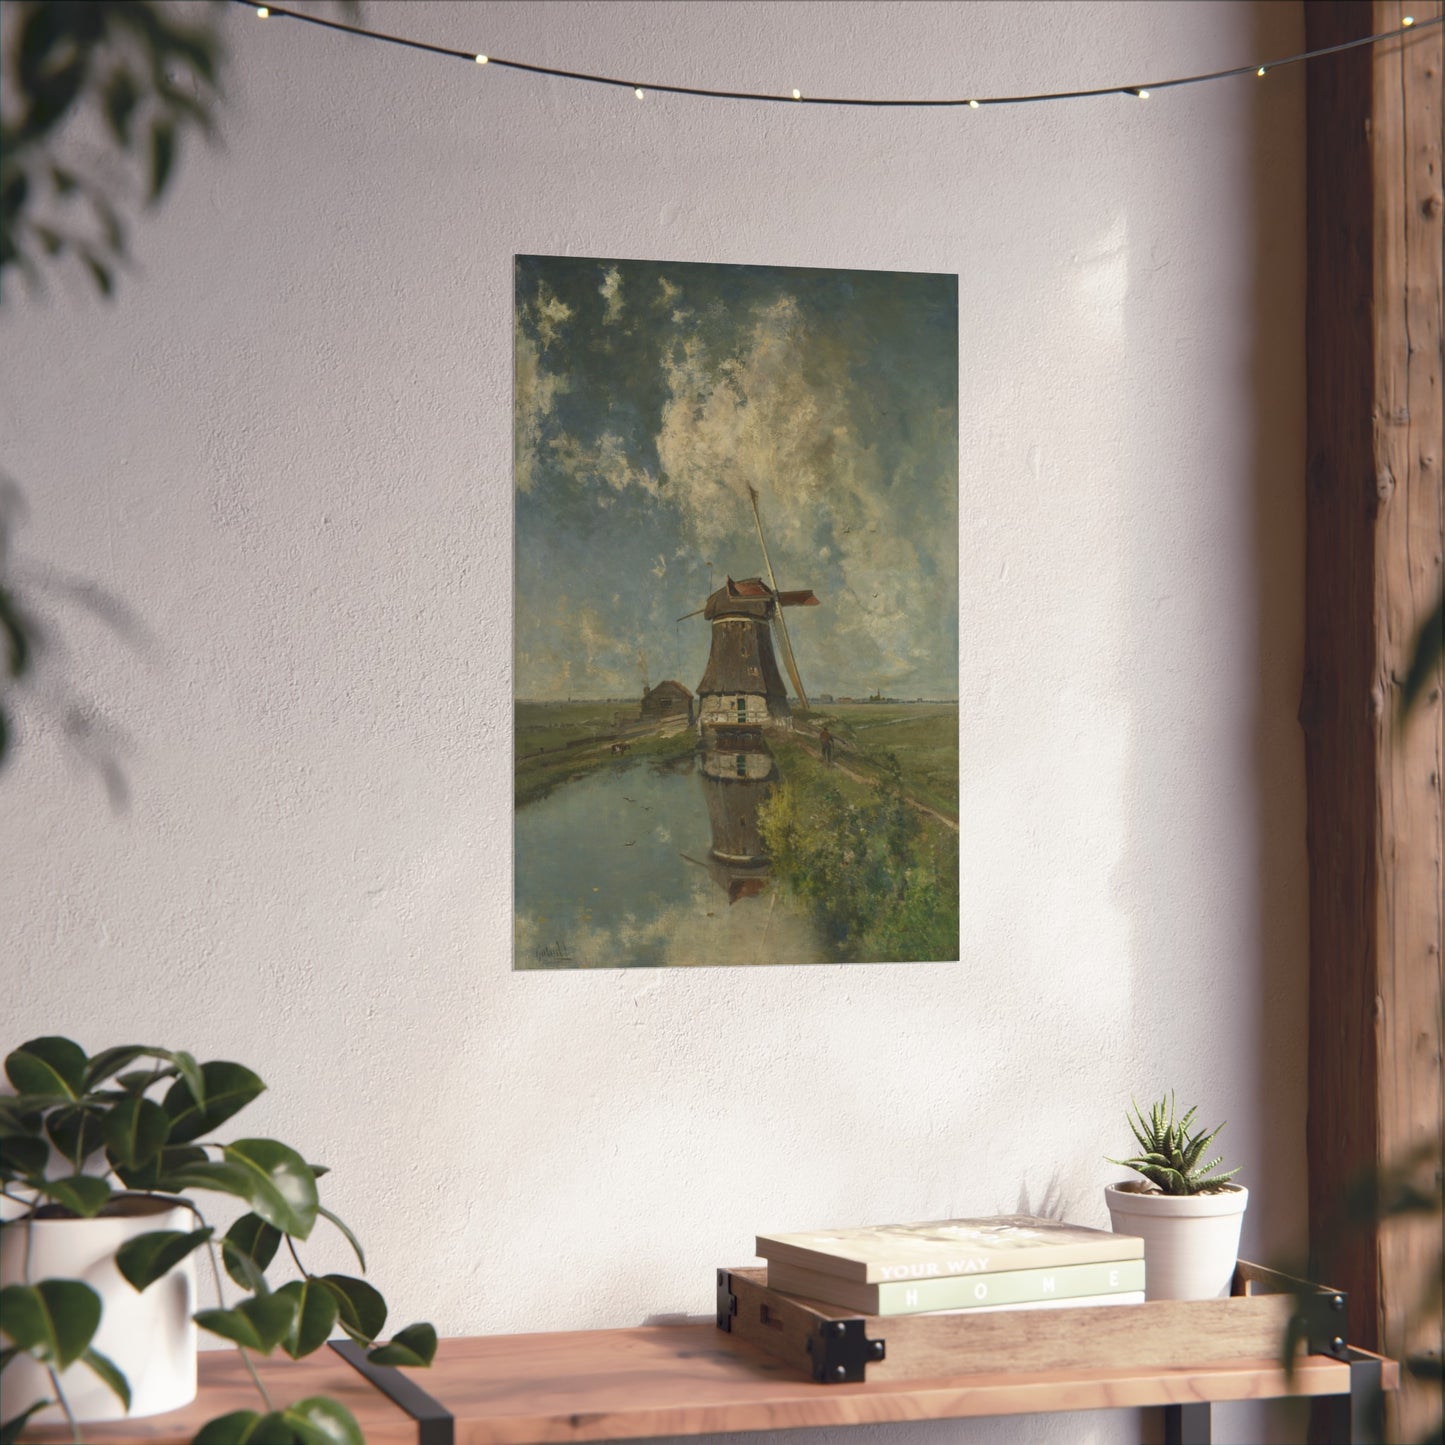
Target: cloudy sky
648,395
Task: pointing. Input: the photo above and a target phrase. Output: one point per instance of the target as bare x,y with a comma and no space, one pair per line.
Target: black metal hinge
841,1352
727,1301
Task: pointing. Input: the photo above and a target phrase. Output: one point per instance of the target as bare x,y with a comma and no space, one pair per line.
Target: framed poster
736,615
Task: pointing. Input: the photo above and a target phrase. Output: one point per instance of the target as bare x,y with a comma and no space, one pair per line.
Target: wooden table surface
685,1380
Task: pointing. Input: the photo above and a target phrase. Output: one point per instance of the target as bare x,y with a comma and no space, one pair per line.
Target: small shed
667,699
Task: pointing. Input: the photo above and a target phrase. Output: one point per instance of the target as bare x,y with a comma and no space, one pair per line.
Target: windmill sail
788,660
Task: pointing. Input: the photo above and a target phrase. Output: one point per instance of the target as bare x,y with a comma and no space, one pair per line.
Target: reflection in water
629,867
737,777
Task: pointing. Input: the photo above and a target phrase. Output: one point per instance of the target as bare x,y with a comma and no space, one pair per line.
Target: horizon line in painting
735,649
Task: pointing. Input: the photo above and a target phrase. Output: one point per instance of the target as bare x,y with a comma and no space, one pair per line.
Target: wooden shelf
691,1379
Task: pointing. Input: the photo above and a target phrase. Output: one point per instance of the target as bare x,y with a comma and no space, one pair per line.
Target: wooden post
1374,544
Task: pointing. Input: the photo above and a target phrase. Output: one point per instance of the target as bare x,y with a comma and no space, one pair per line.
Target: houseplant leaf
83,1194
319,1421
149,1257
351,1239
11,1430
360,1308
155,1174
21,1156
49,1065
415,1345
259,1323
77,1131
227,1088
250,1241
112,1061
245,1427
316,1311
282,1186
135,1131
104,1367
55,1320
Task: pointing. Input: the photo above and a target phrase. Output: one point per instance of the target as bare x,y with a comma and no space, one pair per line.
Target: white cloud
611,289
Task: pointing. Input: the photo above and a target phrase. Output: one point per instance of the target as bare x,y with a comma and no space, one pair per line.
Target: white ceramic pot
1191,1241
149,1336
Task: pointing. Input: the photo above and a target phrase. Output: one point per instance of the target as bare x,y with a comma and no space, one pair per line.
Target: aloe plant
81,1131
1171,1155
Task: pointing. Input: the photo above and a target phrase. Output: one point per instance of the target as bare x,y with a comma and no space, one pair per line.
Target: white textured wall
286,447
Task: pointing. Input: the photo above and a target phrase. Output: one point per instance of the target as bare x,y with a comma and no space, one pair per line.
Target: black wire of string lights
642,88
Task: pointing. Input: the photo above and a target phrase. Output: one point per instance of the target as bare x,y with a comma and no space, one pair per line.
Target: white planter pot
1191,1241
149,1336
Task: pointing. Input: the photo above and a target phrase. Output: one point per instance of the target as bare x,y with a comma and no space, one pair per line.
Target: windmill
742,686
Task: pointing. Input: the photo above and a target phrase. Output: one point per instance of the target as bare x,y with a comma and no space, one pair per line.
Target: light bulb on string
1262,72
637,91
1407,22
973,105
262,12
482,59
797,95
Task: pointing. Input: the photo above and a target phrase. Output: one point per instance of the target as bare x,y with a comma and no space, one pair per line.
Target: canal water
649,863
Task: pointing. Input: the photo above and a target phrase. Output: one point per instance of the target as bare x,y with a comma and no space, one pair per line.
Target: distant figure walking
826,739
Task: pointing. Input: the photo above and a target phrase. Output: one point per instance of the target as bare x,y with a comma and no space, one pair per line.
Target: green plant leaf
77,1131
136,1131
282,1187
248,1248
111,1061
227,1089
54,1320
319,1421
149,1257
106,1369
50,1065
245,1427
361,1309
10,1431
155,1174
351,1239
415,1345
259,1323
316,1311
84,1194
21,1157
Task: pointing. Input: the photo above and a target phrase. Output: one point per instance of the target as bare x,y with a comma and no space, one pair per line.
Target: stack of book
1013,1261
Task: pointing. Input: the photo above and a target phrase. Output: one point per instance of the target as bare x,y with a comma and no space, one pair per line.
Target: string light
1141,91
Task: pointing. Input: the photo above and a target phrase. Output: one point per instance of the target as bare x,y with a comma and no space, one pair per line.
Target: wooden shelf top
688,1379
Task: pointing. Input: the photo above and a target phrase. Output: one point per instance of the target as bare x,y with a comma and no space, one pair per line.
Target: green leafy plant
84,1133
1171,1154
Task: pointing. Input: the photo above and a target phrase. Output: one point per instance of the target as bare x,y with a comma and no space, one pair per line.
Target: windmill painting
736,619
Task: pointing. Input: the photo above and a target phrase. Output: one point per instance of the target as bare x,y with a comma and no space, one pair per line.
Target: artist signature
552,953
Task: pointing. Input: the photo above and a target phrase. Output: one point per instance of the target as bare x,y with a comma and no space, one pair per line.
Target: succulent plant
1170,1153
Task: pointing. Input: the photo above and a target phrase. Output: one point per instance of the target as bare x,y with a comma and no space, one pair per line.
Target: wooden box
836,1345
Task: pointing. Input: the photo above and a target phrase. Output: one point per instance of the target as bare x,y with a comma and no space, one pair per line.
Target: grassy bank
880,878
559,741
922,737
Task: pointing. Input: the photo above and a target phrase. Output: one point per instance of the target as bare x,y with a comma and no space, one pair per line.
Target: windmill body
742,686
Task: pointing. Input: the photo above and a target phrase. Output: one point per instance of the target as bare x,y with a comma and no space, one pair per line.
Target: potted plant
102,1230
1187,1213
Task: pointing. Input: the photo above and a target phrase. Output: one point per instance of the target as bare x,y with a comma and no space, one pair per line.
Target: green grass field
922,736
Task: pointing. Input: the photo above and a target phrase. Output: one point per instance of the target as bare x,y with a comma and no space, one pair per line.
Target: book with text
961,1292
942,1247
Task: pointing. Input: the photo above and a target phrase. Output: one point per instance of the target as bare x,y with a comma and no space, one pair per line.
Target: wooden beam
1374,544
